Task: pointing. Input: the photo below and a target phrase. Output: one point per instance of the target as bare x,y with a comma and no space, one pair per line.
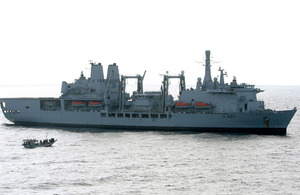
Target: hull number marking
229,116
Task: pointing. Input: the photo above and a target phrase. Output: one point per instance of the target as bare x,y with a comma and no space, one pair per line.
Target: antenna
144,75
91,62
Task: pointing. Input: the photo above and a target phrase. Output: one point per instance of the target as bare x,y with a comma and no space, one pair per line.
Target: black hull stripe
260,131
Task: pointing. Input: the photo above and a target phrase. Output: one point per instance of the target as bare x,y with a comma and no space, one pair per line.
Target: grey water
93,161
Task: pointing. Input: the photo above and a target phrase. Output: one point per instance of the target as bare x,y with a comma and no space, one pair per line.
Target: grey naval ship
212,106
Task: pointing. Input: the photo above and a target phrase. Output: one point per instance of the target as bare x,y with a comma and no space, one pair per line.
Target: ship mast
222,74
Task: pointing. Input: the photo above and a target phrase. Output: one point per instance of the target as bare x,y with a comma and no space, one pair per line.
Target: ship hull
26,111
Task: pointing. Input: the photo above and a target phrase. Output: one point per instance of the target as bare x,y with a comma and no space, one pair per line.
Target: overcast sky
47,42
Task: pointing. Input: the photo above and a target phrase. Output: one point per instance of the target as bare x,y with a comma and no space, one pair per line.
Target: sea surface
93,161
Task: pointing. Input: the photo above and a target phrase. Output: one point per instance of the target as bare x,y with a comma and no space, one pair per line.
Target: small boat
78,103
202,105
94,103
183,105
33,143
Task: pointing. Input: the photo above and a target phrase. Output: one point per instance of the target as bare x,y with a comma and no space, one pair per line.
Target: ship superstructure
212,106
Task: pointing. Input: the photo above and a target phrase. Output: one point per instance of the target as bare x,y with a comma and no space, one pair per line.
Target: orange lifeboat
94,103
202,105
78,103
182,105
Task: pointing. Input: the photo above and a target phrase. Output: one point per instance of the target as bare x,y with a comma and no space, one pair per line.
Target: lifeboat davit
183,105
202,105
94,103
78,103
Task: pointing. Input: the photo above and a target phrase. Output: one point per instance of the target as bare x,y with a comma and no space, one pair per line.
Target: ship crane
165,88
140,90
